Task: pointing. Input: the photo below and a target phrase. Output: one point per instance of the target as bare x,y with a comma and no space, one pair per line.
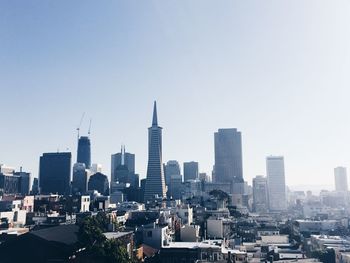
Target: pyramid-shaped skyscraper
155,182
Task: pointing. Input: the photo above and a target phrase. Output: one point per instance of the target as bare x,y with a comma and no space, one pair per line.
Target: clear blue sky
276,70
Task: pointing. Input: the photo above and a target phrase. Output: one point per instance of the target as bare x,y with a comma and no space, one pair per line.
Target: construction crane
89,132
81,121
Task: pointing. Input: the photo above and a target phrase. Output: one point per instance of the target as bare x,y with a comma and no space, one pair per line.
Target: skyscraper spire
155,118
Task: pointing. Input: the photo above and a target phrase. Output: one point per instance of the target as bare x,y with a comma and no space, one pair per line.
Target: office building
190,171
122,158
228,156
172,167
80,178
84,151
123,169
276,183
9,184
24,184
55,173
35,187
260,194
99,182
155,181
175,186
341,179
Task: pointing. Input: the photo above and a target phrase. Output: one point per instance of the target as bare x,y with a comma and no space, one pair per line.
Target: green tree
96,247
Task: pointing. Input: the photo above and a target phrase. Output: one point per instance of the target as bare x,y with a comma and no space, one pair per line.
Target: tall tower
276,183
155,182
228,156
341,179
84,151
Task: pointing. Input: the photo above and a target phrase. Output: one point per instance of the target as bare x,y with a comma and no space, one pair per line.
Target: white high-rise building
276,183
341,179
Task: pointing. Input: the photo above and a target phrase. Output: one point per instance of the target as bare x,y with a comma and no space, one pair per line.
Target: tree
96,247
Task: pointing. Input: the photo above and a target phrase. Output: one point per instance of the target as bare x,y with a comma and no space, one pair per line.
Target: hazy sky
276,70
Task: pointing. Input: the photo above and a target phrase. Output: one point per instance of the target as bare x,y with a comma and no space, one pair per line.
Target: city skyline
283,84
249,179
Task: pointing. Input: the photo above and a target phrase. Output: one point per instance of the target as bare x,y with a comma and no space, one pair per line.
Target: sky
278,71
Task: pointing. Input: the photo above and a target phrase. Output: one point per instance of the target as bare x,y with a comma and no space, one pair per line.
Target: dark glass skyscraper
155,182
84,151
55,173
228,156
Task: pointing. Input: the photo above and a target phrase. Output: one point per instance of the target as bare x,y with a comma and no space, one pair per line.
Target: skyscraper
55,173
24,185
122,158
228,156
341,179
80,178
260,194
190,171
276,183
172,167
84,151
155,182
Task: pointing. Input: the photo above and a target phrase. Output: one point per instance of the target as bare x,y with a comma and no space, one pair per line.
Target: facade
123,169
175,186
276,183
84,151
172,167
9,184
341,179
155,181
80,178
96,168
260,194
24,183
228,156
55,173
35,186
191,171
99,182
122,158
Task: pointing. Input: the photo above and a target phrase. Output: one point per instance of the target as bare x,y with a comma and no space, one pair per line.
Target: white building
276,183
85,203
341,179
186,214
